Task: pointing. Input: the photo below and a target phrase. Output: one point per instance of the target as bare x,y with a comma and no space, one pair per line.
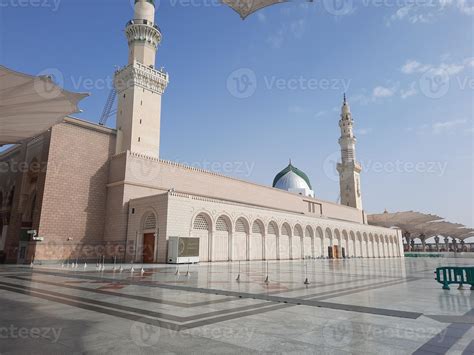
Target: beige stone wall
73,211
308,236
145,176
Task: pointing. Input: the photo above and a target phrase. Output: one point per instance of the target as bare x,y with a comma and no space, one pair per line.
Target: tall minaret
139,85
349,170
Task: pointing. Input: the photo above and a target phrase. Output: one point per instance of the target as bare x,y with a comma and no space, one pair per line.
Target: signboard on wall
188,247
183,250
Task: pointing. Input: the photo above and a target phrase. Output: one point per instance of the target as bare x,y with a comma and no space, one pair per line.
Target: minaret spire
349,170
140,86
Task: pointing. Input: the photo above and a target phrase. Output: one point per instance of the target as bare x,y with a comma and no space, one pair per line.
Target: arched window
298,231
222,225
241,226
257,227
272,228
286,230
201,222
149,222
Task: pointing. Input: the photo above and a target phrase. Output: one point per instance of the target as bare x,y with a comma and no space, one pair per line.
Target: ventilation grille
240,226
221,225
201,223
272,229
150,222
285,230
298,232
257,228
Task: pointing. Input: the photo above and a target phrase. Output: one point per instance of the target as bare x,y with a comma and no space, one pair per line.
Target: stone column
408,240
462,245
455,245
446,243
437,243
412,244
423,242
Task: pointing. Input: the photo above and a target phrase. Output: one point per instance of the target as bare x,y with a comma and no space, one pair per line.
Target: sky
246,96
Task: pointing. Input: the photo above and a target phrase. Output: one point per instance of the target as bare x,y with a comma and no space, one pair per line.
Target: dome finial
345,101
289,161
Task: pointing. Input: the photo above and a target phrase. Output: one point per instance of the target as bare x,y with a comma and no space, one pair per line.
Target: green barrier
455,275
424,255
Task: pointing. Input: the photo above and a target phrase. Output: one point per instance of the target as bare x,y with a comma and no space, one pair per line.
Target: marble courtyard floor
362,306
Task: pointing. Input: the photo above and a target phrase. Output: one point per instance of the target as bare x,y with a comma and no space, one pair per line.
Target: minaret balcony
143,31
143,22
137,74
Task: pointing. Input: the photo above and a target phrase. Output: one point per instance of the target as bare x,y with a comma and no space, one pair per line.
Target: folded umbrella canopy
30,105
247,7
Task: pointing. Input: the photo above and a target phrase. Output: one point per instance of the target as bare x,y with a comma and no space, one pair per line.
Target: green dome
291,168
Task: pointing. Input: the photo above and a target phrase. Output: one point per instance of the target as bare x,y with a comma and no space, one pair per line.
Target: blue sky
245,96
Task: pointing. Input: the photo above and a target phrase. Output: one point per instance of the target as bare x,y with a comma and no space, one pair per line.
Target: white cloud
362,99
411,91
276,40
296,109
298,28
429,11
381,92
413,66
465,7
295,29
362,131
446,126
320,114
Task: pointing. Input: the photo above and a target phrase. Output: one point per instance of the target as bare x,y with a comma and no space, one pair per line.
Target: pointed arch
297,243
202,229
271,241
256,241
284,242
221,239
359,247
240,242
327,241
352,244
308,242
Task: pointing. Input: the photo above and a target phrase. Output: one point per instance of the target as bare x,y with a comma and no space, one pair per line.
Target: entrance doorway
148,248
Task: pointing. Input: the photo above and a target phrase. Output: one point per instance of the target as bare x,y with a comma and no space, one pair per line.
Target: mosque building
113,196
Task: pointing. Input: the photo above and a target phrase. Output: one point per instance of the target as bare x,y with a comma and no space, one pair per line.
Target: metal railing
459,275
